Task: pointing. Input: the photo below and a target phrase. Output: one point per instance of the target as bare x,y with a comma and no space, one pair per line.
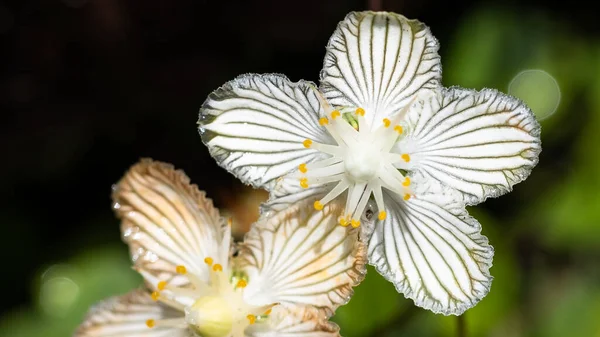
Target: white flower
381,127
290,274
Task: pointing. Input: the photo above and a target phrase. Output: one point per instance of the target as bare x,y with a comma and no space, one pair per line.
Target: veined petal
127,316
379,61
433,252
295,322
288,192
254,126
301,256
168,222
479,143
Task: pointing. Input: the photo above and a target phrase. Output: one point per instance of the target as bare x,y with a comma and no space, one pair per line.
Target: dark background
90,86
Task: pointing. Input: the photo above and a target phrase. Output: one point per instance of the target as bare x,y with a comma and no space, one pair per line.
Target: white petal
302,256
479,143
295,322
126,316
379,61
287,192
254,126
437,258
168,222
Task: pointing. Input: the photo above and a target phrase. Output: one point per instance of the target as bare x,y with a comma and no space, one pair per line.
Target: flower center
217,308
360,162
210,316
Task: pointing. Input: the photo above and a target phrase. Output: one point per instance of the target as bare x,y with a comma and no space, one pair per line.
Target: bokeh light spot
538,89
59,292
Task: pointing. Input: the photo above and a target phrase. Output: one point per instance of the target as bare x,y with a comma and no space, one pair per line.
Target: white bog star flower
381,132
290,274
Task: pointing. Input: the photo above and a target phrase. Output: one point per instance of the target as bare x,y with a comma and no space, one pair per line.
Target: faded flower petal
302,256
168,222
128,316
295,322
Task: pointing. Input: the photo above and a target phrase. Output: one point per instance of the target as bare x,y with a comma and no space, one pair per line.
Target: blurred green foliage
66,291
547,247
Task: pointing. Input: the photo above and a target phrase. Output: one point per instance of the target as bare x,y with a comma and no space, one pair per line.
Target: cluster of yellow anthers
361,163
209,297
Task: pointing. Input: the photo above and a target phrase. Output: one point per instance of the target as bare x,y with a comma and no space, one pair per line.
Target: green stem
461,326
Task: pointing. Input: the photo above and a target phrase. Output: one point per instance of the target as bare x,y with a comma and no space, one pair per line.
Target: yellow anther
386,122
406,157
304,182
335,114
208,260
155,295
251,318
181,270
406,181
382,215
354,223
360,111
302,168
343,222
307,143
323,121
150,323
406,196
398,129
241,284
161,285
318,205
217,267
268,312
229,222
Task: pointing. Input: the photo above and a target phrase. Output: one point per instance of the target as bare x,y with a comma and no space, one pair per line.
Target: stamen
386,122
161,285
335,114
343,222
193,278
229,222
323,121
333,150
355,223
406,182
307,143
382,215
360,111
406,157
268,312
323,163
241,284
406,196
171,322
155,296
378,194
337,190
398,129
302,168
318,205
304,182
217,267
251,318
208,260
